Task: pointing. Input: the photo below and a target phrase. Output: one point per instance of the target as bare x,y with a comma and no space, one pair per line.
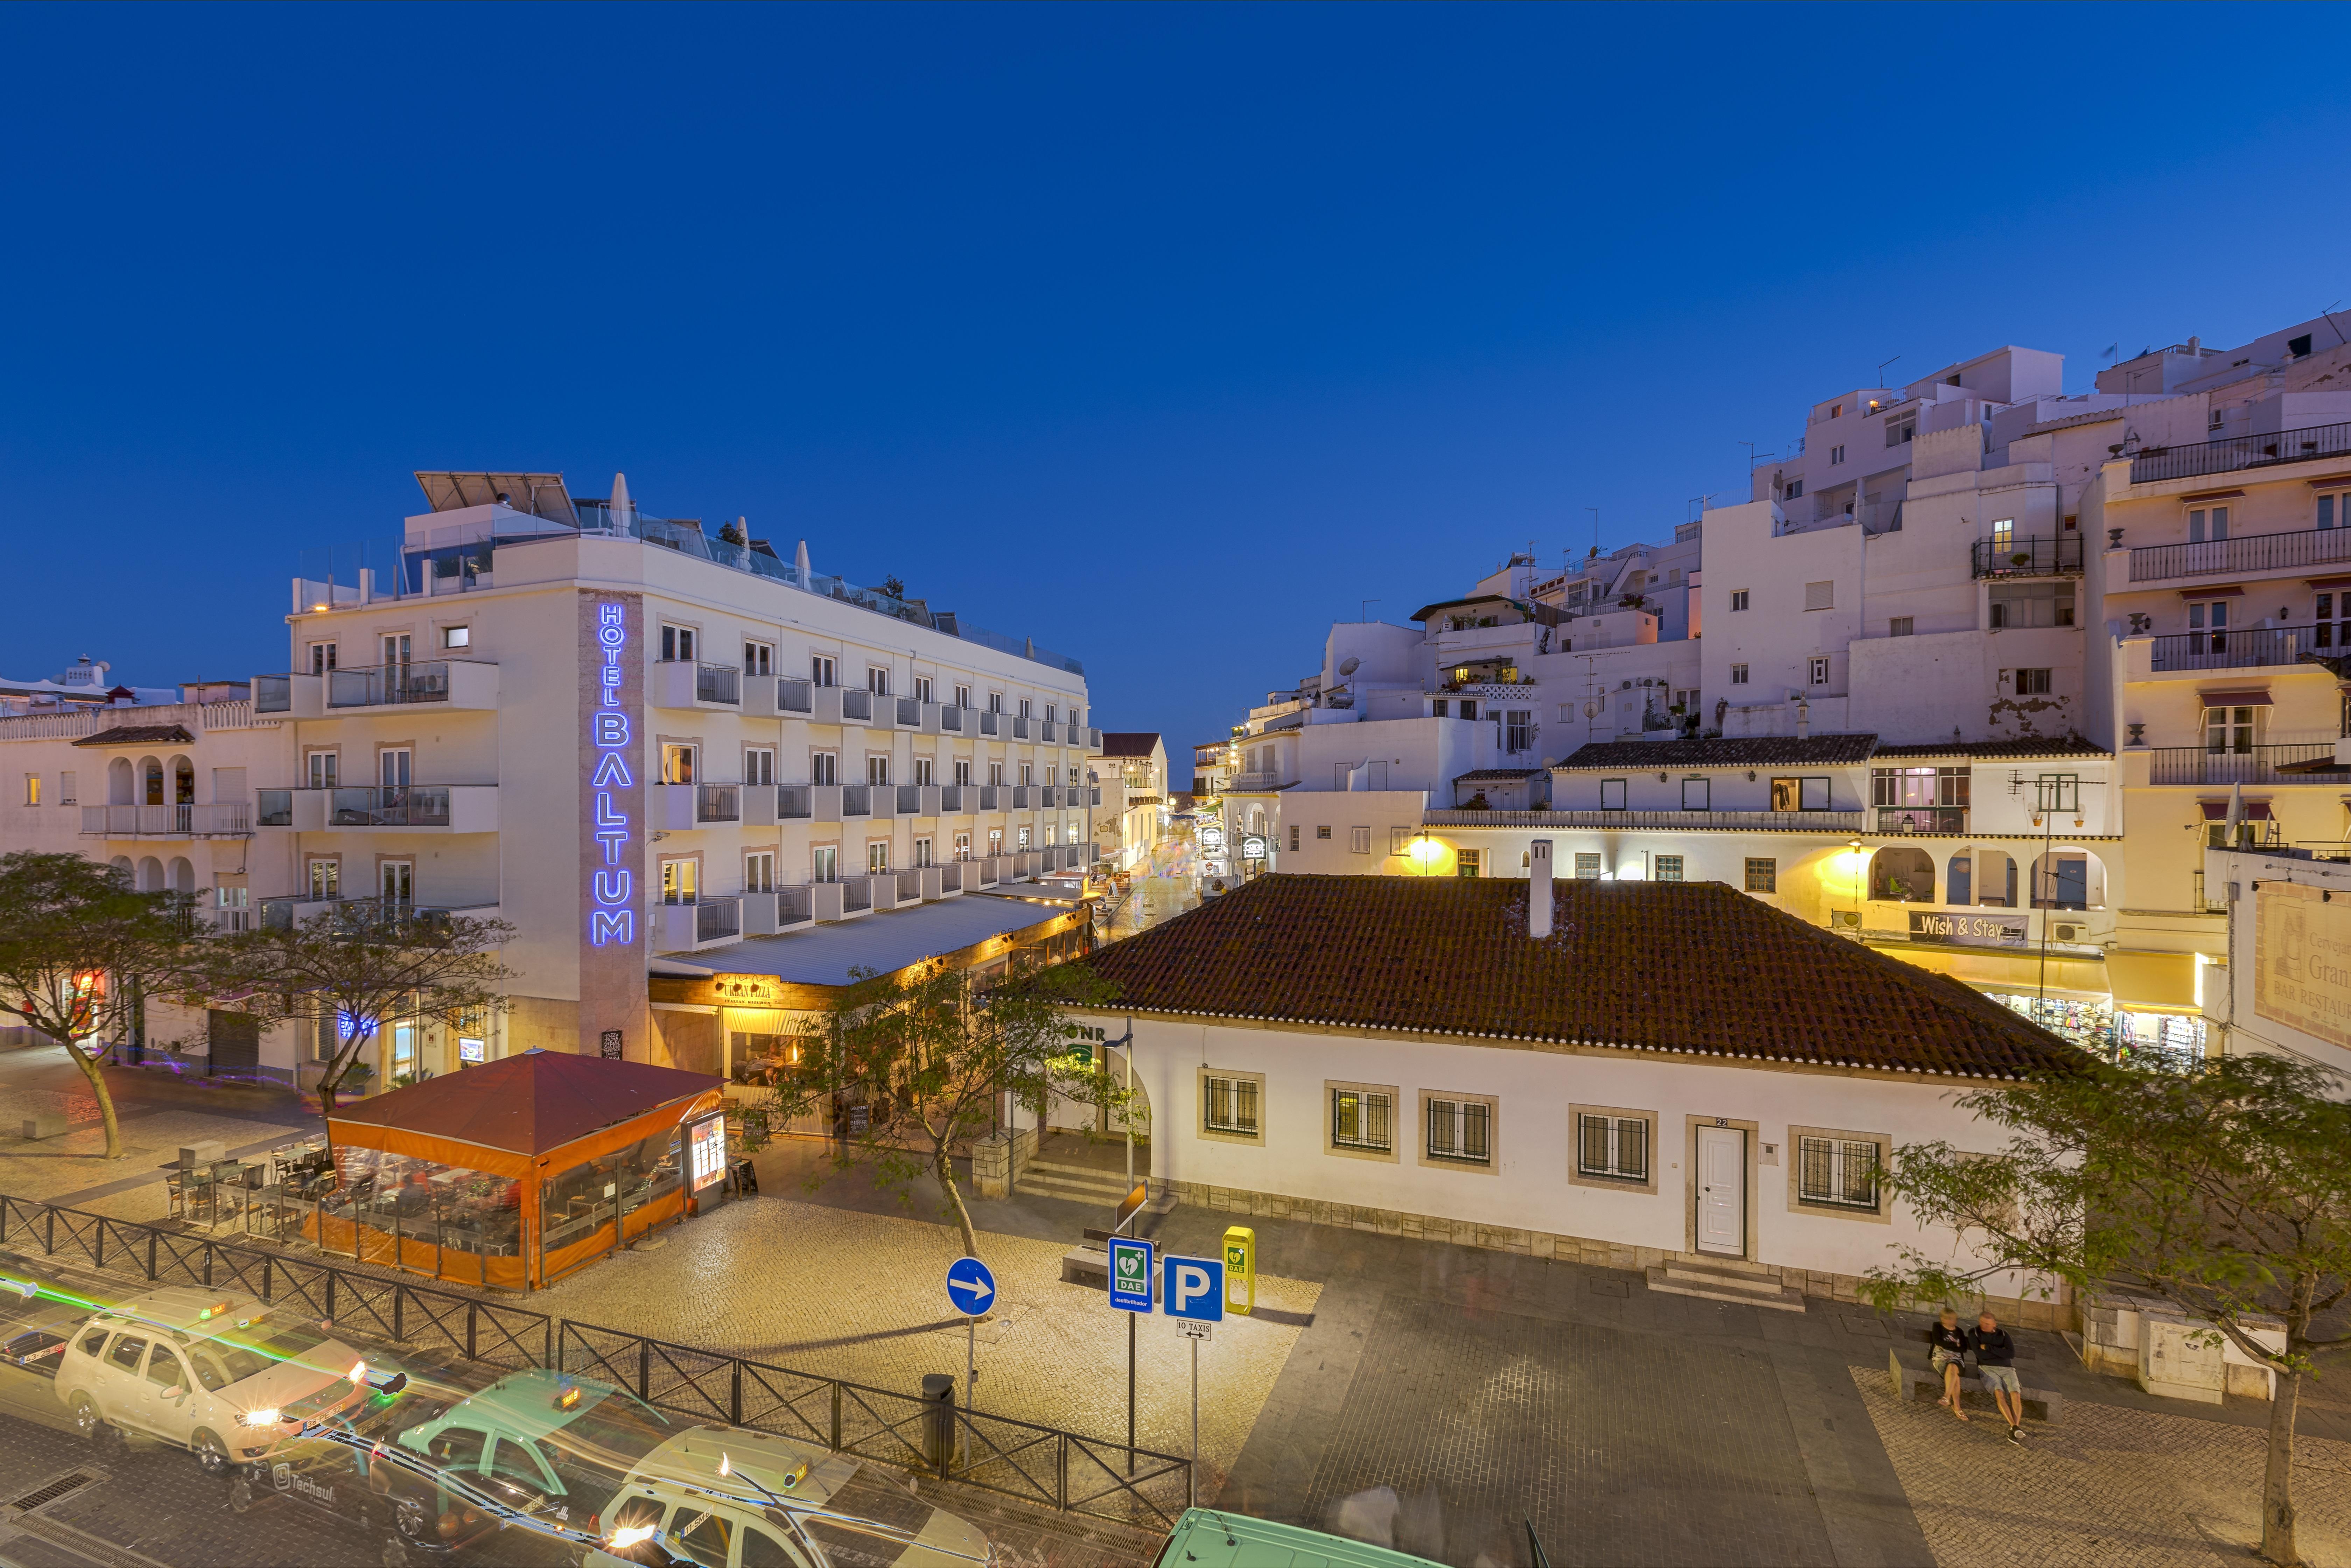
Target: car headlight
265,1416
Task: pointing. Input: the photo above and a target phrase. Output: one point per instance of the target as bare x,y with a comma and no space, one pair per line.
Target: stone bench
1912,1379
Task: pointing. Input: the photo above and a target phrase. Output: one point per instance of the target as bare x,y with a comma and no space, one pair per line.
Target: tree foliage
2225,1191
79,949
929,1062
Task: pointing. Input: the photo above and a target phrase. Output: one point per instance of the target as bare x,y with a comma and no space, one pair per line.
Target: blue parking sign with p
1130,1274
1195,1289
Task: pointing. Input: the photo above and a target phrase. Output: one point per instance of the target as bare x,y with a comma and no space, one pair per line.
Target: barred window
1840,1172
1763,875
1613,1148
1460,1130
1231,1105
1361,1119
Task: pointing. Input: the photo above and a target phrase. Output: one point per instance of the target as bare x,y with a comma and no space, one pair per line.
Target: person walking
1996,1364
1950,1344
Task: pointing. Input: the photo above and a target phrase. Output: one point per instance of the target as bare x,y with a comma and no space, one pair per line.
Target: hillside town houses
1975,673
637,742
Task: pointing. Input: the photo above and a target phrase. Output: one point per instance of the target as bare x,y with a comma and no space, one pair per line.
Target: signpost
1131,1277
1196,1300
971,1290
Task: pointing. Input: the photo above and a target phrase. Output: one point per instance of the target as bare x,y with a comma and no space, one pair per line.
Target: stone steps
1726,1279
1080,1184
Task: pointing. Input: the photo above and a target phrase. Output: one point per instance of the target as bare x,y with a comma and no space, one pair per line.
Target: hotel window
456,636
2033,682
877,856
996,840
758,659
822,672
1052,713
1738,675
679,880
1763,875
1321,832
1819,595
322,657
1669,868
963,696
1028,774
995,702
2207,523
962,771
1819,672
1739,599
32,789
677,763
1901,626
963,846
1359,841
1836,456
760,872
1518,730
1362,1119
66,795
1024,708
877,680
1800,794
1838,1170
995,775
1228,1103
1459,1129
1696,794
396,880
321,769
824,768
1612,1147
1293,837
2331,508
1468,862
326,879
758,766
677,645
877,770
2004,534
922,688
824,863
926,770
1587,867
922,851
1020,838
1612,794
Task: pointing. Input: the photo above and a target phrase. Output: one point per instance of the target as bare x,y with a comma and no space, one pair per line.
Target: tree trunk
97,1076
943,1167
2277,1481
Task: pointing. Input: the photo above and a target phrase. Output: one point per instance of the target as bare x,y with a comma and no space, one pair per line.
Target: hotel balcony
291,909
778,910
2252,553
2195,765
227,820
688,683
2059,557
2254,647
680,808
449,683
442,808
2233,453
689,927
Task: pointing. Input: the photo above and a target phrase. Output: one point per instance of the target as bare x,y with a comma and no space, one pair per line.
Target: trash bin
938,1418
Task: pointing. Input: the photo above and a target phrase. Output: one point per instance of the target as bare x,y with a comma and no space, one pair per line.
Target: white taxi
226,1376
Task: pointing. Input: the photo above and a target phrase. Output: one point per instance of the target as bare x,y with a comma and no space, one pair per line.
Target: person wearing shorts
1948,1344
1996,1364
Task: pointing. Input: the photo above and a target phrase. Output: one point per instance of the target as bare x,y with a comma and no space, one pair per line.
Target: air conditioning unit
2069,934
1844,919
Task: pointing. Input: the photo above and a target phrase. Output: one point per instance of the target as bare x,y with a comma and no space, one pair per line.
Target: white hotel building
634,742
1969,676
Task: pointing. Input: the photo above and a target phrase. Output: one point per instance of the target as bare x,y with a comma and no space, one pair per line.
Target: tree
360,965
928,1058
2225,1191
78,948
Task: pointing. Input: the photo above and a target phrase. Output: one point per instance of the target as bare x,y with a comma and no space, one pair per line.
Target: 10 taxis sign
2302,961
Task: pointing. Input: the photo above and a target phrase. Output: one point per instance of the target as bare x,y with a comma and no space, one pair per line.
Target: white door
1722,1190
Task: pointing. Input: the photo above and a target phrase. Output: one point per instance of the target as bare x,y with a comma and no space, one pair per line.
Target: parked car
220,1375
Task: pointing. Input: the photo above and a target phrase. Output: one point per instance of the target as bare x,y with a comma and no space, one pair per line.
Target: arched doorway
1982,877
2068,877
1902,875
183,781
121,783
150,773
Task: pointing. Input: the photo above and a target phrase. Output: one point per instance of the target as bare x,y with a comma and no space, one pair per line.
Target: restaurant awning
2153,982
508,1116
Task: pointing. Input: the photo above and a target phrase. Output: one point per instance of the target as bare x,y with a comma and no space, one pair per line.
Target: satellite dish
1348,665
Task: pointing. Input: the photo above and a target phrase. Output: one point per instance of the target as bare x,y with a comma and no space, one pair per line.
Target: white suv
215,1374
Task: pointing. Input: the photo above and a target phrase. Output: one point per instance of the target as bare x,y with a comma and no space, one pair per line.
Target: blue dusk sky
1162,335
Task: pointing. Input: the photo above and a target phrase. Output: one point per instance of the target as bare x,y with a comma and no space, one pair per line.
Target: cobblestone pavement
2116,1487
862,1296
157,1115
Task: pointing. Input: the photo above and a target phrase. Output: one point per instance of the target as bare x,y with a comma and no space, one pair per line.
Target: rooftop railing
2232,453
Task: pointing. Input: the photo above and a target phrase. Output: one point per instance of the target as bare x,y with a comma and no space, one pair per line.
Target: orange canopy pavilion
517,1172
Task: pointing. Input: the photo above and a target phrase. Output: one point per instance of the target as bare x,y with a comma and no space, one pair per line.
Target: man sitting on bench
1996,1364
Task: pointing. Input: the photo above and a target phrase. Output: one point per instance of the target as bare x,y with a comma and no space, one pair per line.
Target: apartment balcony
290,911
1094,740
706,922
1832,822
1049,732
943,880
991,797
1253,783
920,799
978,874
1024,797
2237,557
2251,648
883,798
808,802
682,808
2196,765
1023,728
227,820
840,705
442,808
1050,796
449,683
2059,557
1905,822
2232,453
770,697
957,800
953,720
838,900
990,722
856,801
689,684
906,712
774,911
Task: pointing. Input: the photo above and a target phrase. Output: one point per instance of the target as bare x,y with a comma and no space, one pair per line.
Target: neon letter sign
615,918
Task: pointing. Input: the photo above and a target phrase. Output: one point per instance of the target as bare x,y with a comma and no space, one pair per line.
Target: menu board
705,1151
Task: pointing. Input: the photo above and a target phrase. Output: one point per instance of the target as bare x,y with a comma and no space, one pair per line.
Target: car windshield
255,1346
615,1431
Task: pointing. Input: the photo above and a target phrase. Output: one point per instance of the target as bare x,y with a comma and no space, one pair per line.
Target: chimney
1803,719
1539,889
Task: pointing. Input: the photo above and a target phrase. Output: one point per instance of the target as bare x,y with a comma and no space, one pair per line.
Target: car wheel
212,1455
86,1418
409,1518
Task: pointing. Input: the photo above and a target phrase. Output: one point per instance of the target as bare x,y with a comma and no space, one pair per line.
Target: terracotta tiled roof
1128,742
139,734
2039,746
1761,751
1690,969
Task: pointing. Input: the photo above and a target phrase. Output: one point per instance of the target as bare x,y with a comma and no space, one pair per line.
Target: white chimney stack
1539,889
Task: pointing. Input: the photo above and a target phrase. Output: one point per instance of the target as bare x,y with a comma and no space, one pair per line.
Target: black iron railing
2254,552
2234,451
2251,648
2254,765
2059,557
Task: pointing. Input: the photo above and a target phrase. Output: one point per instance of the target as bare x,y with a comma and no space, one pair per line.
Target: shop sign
705,1151
1253,847
613,920
1212,838
1968,930
748,991
472,1051
2302,961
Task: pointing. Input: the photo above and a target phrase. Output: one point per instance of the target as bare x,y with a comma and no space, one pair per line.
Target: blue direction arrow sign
970,1286
1195,1289
1130,1274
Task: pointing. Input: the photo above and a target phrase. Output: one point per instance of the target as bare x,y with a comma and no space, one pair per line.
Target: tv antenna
1881,369
1595,528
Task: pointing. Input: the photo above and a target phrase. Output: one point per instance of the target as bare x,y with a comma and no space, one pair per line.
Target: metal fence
2234,451
1038,1464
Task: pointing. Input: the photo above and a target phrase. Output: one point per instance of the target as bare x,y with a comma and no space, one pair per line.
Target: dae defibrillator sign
1130,1274
1240,1269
